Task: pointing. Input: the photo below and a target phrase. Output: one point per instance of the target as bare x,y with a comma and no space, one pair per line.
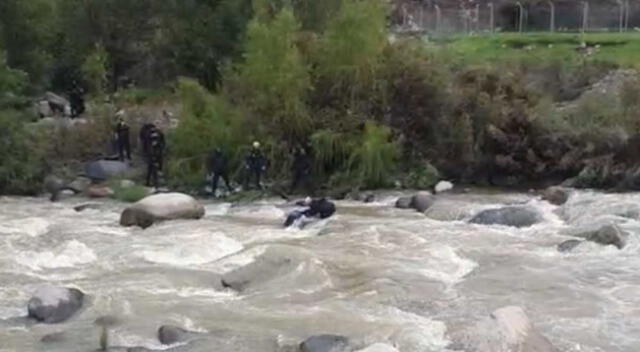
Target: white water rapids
372,273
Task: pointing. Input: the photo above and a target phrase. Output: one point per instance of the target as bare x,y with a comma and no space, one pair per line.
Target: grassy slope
620,48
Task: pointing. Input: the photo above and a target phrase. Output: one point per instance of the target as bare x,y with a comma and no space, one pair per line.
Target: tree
94,70
274,78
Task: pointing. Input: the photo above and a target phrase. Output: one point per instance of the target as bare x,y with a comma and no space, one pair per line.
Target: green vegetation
130,194
376,112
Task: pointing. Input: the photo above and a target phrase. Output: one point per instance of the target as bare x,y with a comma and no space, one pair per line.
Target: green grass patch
619,48
130,194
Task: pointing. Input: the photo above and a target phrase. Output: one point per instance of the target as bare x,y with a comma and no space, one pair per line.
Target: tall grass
374,160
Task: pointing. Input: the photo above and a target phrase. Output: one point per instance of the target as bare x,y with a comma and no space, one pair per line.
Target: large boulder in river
168,335
105,169
422,201
325,343
608,235
54,304
507,329
508,216
160,207
556,195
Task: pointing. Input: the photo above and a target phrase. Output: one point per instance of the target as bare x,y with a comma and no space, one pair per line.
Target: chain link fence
460,17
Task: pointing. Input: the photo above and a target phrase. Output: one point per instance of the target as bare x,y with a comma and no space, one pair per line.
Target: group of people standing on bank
217,163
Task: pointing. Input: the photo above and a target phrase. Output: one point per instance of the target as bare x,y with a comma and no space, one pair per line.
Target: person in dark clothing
317,208
255,165
144,134
122,138
76,100
301,170
155,156
218,167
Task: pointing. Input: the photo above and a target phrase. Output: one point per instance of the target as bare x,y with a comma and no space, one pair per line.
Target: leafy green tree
206,122
95,70
353,44
373,160
274,79
12,85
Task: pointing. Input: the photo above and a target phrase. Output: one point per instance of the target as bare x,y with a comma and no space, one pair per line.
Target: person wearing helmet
319,208
122,137
255,164
218,168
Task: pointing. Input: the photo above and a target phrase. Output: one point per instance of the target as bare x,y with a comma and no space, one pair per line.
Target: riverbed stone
161,207
80,184
506,329
568,246
422,201
404,202
609,235
443,186
99,191
556,195
53,185
508,216
325,343
379,347
274,263
169,334
52,304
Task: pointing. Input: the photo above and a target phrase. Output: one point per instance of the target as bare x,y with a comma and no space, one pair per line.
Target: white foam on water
32,227
69,255
259,212
195,249
415,333
217,209
121,337
445,265
194,292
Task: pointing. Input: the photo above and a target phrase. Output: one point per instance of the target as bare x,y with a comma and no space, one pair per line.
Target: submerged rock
275,262
568,246
168,335
609,235
325,343
404,202
422,201
508,216
54,304
160,207
556,195
507,329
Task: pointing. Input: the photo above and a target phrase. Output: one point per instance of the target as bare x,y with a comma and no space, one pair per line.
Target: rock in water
160,207
168,335
556,195
508,216
325,343
379,347
105,169
80,184
507,329
610,234
422,201
277,261
404,202
443,186
96,191
54,304
53,185
568,246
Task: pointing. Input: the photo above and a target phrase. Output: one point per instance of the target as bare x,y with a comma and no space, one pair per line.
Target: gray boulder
508,216
168,335
325,343
422,201
556,195
105,169
609,235
53,185
568,246
404,202
275,262
80,184
54,304
161,207
507,329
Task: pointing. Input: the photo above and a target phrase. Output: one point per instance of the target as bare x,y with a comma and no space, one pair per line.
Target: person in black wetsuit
76,99
122,137
255,164
218,167
301,170
155,157
317,208
145,132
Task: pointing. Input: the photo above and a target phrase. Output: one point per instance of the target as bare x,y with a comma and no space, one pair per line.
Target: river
372,272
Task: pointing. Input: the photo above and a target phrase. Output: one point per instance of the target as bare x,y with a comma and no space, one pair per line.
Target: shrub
373,161
94,69
21,169
207,121
130,194
424,176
